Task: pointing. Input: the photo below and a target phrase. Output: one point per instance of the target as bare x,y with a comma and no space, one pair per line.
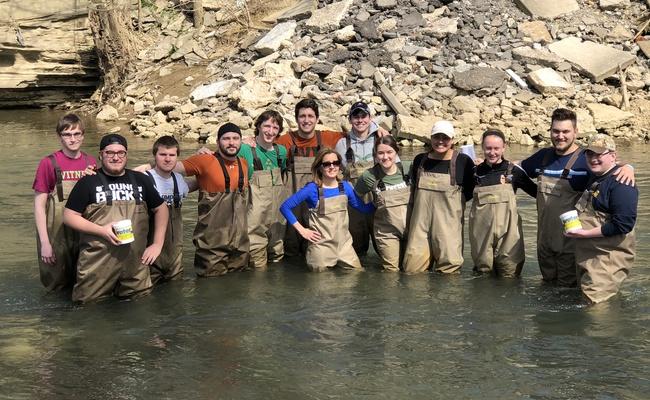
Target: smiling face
307,120
268,131
360,123
229,144
440,143
600,163
71,139
386,156
563,136
330,166
493,149
113,159
166,158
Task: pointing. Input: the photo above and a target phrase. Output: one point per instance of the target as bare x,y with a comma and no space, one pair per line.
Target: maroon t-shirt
71,170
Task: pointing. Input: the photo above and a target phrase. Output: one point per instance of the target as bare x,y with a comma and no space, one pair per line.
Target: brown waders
266,225
390,220
495,231
106,269
220,236
330,218
603,263
555,252
360,224
169,264
299,166
64,240
436,223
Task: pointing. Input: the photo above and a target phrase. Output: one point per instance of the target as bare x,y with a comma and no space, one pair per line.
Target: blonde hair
316,172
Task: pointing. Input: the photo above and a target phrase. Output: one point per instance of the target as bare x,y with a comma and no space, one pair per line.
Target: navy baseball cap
359,106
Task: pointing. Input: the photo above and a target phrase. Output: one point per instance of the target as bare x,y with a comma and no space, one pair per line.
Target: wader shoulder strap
240,183
569,164
452,168
321,200
349,153
224,170
319,142
379,175
177,195
277,156
257,163
134,184
107,191
509,169
58,175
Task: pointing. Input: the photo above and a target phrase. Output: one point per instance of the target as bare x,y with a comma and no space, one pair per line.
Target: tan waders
299,166
495,231
64,240
266,225
555,252
603,263
390,221
436,223
360,224
106,269
169,264
220,236
330,218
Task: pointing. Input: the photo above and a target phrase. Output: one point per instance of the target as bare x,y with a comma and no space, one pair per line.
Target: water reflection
286,333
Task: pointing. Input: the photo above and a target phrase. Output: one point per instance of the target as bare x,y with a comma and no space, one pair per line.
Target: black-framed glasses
70,135
328,164
593,154
111,154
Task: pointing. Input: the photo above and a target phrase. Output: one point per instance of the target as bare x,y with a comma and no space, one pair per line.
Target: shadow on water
286,333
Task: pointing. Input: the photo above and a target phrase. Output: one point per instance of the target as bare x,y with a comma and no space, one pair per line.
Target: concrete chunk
548,8
533,56
272,41
415,128
608,117
329,17
547,81
535,31
613,4
215,89
592,59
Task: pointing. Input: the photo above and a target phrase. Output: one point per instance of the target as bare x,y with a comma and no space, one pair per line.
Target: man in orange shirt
302,146
220,236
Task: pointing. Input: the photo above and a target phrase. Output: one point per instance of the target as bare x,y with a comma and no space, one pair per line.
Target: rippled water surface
289,334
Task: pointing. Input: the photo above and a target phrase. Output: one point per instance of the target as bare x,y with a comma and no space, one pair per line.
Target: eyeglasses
111,154
593,154
328,164
69,135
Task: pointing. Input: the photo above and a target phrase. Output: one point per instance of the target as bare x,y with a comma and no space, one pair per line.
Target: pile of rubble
478,63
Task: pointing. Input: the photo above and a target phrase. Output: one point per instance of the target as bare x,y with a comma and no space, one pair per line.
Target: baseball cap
228,127
444,127
112,138
359,106
601,143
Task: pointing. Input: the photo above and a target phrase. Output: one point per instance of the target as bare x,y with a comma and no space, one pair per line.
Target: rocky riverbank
480,64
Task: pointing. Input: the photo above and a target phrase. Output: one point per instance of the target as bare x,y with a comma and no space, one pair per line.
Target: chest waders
221,236
299,167
555,252
360,224
330,218
64,240
105,269
390,220
495,231
603,263
169,264
436,223
266,225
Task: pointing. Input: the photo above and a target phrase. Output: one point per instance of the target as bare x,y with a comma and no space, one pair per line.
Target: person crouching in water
495,231
442,181
605,245
329,240
107,265
391,194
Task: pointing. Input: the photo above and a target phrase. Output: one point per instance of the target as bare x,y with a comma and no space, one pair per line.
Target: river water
285,333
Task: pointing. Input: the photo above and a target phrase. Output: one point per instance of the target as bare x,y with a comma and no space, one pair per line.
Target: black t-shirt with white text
90,190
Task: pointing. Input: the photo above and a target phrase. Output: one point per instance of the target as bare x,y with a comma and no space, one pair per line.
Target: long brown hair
316,172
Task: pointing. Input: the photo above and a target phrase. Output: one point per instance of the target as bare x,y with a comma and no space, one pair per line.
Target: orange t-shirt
209,174
328,139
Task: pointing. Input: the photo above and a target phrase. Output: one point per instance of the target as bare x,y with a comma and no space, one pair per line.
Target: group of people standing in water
338,192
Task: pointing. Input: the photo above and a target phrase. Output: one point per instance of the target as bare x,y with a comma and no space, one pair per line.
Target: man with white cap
605,245
442,181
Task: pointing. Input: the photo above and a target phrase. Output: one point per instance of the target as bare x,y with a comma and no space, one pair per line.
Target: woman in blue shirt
329,240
